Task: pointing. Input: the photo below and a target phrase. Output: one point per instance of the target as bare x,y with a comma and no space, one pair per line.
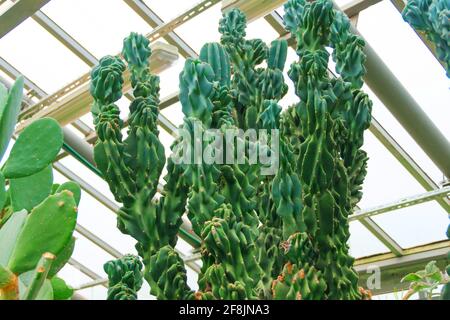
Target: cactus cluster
279,236
37,217
433,18
125,277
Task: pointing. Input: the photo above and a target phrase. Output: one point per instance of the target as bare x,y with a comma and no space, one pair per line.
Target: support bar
401,203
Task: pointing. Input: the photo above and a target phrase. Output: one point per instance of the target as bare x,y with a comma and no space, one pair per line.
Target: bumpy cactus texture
279,236
125,278
37,217
433,18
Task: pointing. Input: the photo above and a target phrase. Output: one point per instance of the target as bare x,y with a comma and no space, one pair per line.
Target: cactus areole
281,234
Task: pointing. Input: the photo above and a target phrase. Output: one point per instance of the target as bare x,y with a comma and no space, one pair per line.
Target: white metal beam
18,12
401,203
62,36
149,16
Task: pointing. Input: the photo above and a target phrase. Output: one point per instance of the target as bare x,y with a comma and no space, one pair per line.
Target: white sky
100,26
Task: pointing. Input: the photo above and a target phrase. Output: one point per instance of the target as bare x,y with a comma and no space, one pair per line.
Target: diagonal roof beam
149,16
18,12
401,203
67,40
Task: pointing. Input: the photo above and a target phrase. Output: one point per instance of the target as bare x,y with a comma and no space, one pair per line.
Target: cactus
280,236
125,278
37,219
432,18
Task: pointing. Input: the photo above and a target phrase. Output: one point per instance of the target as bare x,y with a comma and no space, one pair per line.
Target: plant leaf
410,277
9,114
2,191
35,148
9,234
48,228
28,192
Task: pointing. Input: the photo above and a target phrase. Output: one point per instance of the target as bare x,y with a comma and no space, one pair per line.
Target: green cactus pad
48,228
61,291
62,258
35,148
9,112
9,234
38,187
2,191
72,187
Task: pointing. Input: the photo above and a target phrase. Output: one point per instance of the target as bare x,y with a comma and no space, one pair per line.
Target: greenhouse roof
404,211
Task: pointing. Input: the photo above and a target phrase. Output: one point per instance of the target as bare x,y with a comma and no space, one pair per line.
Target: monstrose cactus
433,18
278,235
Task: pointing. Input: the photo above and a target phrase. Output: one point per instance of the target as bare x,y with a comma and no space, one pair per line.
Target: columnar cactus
125,278
132,166
280,236
433,18
37,217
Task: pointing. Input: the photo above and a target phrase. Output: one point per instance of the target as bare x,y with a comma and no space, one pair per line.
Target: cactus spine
281,236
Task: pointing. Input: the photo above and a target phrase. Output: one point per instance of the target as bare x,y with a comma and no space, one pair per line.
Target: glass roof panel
169,82
49,64
99,26
370,244
169,9
174,113
88,176
415,225
207,23
94,293
414,65
386,179
90,255
73,276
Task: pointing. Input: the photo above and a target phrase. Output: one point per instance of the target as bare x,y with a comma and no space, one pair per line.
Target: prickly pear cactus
433,18
37,217
277,236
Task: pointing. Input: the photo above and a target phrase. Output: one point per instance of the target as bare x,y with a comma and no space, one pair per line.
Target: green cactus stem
39,276
274,237
125,278
431,17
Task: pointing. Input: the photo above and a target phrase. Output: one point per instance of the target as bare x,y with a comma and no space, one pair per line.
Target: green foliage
61,291
432,17
36,220
38,187
426,281
58,214
9,112
275,237
35,148
125,278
